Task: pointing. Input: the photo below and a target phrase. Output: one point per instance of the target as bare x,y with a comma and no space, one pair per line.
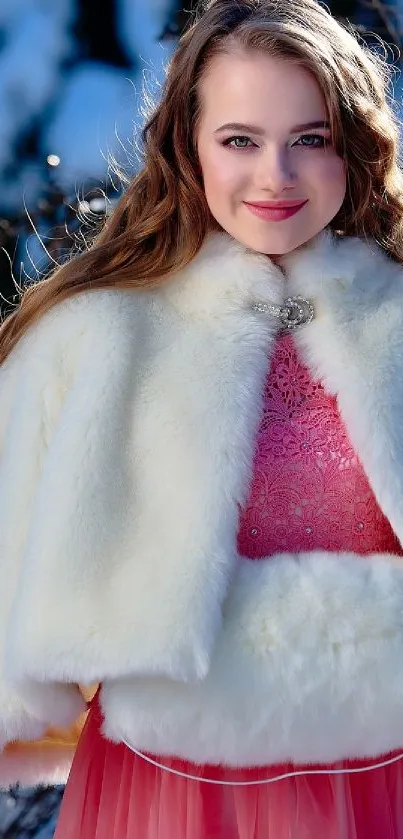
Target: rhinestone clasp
294,312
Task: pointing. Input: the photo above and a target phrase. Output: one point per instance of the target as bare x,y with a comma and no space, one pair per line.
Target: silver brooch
294,312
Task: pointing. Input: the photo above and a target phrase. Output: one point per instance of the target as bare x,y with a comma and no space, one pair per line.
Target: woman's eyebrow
255,129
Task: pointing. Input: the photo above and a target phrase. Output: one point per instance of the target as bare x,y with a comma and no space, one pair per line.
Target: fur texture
127,428
307,668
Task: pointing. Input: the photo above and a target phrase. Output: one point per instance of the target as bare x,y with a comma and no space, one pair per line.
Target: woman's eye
313,141
310,141
238,142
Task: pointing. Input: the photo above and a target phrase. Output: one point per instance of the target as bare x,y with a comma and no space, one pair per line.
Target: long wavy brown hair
160,223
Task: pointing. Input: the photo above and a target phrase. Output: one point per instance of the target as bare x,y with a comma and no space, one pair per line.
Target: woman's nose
275,171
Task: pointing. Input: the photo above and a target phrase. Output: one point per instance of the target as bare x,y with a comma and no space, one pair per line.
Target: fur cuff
308,668
27,709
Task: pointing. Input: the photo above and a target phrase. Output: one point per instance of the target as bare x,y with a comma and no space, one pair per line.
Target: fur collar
355,346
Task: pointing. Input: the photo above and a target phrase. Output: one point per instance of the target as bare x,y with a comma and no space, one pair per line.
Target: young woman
202,461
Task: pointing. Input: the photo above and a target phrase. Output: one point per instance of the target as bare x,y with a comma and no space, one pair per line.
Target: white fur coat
127,430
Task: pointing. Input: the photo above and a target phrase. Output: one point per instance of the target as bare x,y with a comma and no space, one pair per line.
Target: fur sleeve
308,668
92,591
28,396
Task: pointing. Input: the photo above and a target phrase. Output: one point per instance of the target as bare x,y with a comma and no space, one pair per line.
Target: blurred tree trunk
96,33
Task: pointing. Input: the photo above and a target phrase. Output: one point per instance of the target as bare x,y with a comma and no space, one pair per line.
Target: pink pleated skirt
112,793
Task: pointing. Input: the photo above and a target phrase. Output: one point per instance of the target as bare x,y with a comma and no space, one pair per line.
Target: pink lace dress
309,491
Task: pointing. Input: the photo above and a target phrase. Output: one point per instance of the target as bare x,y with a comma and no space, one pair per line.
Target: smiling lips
274,210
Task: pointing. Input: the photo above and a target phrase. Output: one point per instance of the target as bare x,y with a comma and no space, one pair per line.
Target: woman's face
263,138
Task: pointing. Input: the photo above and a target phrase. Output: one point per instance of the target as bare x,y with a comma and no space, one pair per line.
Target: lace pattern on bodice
309,490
